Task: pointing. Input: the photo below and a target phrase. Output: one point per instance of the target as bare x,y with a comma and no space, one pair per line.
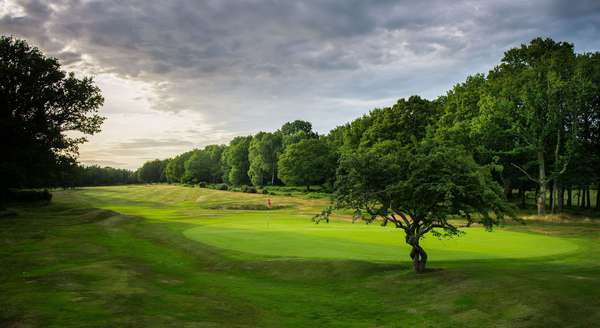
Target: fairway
172,256
289,232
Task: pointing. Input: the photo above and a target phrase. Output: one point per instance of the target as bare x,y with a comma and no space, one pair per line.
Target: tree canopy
237,162
418,190
205,165
308,162
263,154
152,171
40,103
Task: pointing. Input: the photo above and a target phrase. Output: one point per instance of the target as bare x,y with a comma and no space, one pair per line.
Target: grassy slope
122,256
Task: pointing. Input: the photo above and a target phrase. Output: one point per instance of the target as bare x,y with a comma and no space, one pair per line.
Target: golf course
175,256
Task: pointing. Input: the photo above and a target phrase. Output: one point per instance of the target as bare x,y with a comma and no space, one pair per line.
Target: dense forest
533,121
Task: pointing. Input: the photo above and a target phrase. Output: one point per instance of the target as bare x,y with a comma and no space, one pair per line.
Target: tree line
534,118
292,155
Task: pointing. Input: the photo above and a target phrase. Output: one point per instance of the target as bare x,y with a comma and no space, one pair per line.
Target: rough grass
167,256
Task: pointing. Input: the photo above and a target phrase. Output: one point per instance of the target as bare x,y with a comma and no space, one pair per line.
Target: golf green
298,237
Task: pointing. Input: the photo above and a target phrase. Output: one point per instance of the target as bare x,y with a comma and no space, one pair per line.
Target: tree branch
527,174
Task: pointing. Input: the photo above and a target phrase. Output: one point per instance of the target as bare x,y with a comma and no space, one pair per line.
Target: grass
171,256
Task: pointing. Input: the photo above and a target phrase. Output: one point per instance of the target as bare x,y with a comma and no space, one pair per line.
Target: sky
182,74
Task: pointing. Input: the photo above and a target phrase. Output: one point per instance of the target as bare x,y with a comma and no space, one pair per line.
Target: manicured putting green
298,237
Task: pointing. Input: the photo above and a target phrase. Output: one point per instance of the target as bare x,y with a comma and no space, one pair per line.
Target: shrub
264,192
202,184
248,189
221,186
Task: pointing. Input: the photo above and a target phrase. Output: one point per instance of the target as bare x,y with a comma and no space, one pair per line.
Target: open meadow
174,256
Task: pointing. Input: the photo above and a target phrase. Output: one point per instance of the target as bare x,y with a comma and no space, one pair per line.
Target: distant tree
294,132
263,154
347,137
152,171
290,128
205,165
460,124
100,176
308,162
533,96
418,191
40,103
236,161
175,168
407,122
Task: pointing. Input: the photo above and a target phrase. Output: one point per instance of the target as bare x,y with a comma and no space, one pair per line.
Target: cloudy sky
180,74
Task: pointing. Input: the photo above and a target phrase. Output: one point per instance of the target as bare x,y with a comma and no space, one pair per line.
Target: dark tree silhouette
40,102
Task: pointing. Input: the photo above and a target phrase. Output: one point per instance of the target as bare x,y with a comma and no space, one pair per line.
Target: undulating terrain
165,255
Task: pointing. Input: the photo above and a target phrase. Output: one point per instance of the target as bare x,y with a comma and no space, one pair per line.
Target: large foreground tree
419,191
40,104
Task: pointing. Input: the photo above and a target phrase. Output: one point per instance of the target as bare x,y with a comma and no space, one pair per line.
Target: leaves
40,103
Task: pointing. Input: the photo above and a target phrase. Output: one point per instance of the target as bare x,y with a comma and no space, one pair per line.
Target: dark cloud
250,65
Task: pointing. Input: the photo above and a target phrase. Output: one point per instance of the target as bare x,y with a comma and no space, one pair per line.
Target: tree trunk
273,174
417,253
561,198
589,198
541,199
419,258
569,197
522,196
555,192
598,197
553,197
507,189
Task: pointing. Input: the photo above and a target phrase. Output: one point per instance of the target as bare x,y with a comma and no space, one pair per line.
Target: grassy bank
175,256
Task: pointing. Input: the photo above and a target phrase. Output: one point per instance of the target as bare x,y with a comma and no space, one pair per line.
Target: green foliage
248,189
221,186
294,132
263,154
40,103
418,190
235,158
100,176
204,165
153,171
308,162
175,169
406,122
531,106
